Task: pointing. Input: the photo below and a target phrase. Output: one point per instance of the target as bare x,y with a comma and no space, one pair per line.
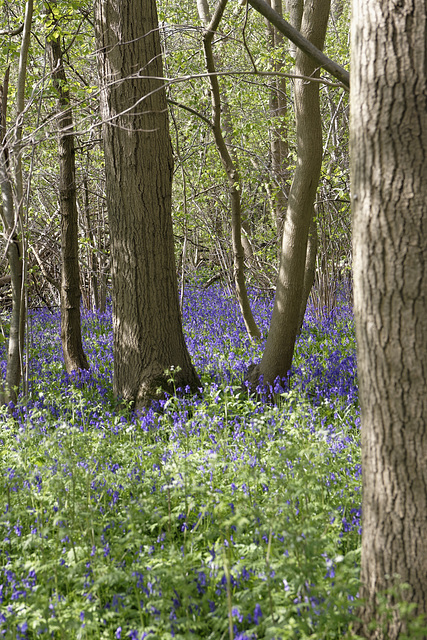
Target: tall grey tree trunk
389,199
148,337
71,337
285,322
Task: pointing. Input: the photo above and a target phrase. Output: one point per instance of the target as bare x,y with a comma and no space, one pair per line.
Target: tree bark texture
389,198
71,337
277,357
148,337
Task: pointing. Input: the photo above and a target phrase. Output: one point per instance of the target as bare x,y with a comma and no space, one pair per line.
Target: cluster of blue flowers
192,517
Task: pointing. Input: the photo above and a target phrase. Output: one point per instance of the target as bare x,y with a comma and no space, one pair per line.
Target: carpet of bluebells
219,516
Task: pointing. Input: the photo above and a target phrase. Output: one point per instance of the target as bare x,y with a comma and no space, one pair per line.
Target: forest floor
219,516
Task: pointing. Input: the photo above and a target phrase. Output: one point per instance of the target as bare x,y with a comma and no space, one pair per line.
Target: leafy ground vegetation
217,516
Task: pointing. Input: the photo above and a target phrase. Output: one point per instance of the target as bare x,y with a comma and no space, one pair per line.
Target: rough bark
74,356
229,166
148,337
389,198
277,358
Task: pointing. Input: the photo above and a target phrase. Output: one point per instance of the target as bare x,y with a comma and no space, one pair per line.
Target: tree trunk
309,270
74,356
148,338
389,196
12,214
14,252
92,256
295,9
277,358
14,255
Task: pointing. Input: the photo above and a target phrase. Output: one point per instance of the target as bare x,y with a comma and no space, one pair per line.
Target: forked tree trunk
277,358
71,337
389,199
148,337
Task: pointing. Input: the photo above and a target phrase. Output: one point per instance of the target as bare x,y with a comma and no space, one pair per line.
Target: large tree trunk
148,338
285,322
389,196
74,356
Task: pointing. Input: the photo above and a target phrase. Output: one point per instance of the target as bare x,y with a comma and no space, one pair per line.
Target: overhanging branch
336,70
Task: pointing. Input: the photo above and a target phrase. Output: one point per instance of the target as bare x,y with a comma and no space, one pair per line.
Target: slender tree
286,319
11,234
389,198
71,337
12,212
278,130
148,337
296,10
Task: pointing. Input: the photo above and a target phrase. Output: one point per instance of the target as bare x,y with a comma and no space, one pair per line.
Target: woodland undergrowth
216,516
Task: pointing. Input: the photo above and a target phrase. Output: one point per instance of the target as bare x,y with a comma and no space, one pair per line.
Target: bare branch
13,32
